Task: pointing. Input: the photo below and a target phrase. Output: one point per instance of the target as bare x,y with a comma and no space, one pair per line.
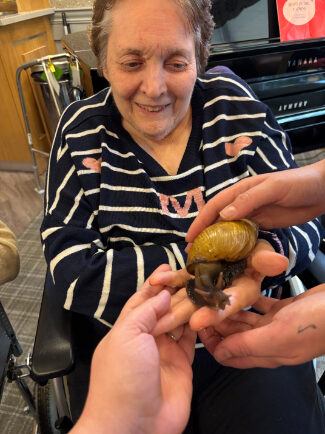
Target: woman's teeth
151,108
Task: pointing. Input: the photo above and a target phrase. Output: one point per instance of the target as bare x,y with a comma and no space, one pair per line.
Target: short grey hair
197,13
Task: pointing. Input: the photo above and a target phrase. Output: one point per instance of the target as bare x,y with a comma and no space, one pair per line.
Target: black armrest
315,274
317,267
52,353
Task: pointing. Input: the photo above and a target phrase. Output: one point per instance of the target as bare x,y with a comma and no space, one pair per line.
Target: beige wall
60,4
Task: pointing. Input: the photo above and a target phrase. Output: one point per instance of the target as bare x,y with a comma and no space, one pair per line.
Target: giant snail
216,257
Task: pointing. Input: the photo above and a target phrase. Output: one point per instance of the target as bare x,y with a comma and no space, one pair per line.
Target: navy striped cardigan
112,213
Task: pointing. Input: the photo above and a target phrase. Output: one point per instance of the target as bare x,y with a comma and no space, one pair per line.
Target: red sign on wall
301,19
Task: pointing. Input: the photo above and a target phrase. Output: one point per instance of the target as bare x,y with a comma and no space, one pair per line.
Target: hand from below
291,331
139,383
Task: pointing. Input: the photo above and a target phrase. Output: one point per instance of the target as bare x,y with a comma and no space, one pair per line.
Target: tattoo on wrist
302,329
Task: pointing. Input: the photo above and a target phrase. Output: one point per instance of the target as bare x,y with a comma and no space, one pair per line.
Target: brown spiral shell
228,241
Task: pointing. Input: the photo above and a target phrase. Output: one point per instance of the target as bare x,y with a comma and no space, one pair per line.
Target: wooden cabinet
23,5
20,42
11,130
31,5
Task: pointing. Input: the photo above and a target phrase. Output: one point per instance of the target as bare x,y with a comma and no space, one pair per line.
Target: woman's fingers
180,312
265,260
265,304
177,333
187,342
145,292
144,316
229,327
173,279
246,317
210,338
152,288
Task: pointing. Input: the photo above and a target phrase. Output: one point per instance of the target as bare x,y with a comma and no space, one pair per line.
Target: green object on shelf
57,72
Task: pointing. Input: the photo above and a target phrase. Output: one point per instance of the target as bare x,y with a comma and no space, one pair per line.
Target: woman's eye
177,66
131,65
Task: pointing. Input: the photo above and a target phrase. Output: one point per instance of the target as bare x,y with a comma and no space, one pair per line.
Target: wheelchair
53,357
52,352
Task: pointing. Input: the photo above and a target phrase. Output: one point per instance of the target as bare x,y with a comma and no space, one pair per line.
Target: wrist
101,425
116,420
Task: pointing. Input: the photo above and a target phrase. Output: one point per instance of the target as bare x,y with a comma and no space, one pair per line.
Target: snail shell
216,257
228,241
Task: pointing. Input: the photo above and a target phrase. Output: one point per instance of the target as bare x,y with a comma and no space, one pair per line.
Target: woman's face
151,67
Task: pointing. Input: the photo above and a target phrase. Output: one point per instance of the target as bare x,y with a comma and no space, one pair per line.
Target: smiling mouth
150,108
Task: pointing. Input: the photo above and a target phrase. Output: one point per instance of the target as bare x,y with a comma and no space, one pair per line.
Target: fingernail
221,355
228,212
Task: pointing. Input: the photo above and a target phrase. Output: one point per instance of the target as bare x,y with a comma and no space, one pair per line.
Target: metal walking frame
10,349
44,62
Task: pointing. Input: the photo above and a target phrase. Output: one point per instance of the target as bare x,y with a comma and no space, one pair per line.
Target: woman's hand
140,383
291,331
263,261
273,200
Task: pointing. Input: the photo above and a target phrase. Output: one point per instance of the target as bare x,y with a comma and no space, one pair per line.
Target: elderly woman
130,169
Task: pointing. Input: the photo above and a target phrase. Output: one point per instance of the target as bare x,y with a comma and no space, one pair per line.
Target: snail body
216,257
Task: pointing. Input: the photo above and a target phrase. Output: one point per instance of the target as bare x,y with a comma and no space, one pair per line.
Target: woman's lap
86,333
225,401
285,400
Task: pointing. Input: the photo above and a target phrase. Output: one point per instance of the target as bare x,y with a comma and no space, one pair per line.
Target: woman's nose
154,81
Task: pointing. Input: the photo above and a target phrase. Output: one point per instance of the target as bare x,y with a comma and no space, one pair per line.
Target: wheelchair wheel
46,409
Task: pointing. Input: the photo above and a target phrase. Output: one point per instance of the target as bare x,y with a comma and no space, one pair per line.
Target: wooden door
12,131
17,42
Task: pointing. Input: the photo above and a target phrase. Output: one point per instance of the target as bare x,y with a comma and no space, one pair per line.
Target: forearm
314,176
278,199
97,280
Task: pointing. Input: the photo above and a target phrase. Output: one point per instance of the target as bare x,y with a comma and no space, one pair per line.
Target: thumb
248,349
143,318
266,261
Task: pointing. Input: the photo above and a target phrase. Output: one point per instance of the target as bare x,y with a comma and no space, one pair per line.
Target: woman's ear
105,73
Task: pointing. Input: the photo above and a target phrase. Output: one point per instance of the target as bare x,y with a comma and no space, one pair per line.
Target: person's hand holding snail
216,258
246,288
284,332
242,280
